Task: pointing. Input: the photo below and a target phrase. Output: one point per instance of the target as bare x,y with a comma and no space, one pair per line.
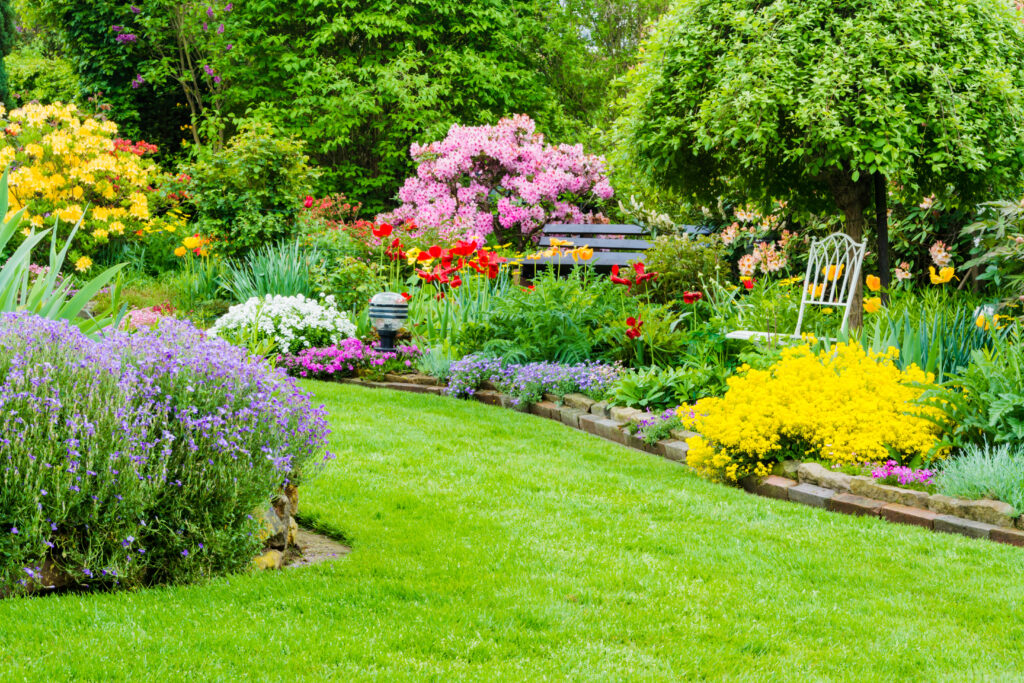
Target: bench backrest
833,273
612,244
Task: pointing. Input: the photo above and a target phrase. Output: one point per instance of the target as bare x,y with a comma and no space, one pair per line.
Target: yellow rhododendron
83,264
844,405
68,167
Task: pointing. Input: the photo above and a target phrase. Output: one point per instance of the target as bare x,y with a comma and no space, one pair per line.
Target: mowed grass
492,545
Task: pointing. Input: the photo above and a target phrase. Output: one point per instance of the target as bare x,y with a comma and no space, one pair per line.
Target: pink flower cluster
502,179
893,471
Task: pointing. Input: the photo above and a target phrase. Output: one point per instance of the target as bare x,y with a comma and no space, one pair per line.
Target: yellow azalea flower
555,242
874,283
83,264
873,304
77,192
180,251
117,227
37,221
192,242
100,235
831,273
944,275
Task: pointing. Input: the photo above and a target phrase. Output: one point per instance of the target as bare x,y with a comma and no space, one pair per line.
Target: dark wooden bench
612,244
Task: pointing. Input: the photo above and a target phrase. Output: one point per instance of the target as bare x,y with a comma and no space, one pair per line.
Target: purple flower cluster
899,474
126,450
349,358
527,383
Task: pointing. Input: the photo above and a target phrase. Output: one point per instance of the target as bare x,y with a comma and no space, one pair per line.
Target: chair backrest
833,272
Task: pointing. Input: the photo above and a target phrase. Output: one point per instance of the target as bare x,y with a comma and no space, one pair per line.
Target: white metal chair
833,271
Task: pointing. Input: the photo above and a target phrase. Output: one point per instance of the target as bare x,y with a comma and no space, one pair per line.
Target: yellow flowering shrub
844,405
68,166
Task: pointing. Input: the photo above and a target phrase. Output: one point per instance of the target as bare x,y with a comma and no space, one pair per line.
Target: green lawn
491,545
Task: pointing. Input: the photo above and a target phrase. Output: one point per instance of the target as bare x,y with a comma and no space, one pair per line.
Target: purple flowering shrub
527,383
140,458
350,358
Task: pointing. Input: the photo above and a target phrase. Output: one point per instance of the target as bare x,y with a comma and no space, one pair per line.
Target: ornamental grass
843,405
139,458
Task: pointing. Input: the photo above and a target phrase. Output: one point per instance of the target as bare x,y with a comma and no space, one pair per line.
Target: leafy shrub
139,458
282,269
999,253
648,389
684,264
984,471
502,179
350,358
985,402
75,169
249,193
843,405
527,383
35,76
350,280
285,324
656,427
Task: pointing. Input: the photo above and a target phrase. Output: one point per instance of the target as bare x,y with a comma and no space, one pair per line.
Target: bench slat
596,229
597,243
600,258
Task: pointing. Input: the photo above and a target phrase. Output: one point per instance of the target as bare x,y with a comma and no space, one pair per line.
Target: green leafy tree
8,38
806,100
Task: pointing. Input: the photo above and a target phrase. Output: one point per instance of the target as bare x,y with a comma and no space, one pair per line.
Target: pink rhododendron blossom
503,179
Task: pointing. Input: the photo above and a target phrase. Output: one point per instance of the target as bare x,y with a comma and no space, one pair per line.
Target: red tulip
692,297
435,251
424,275
620,280
407,296
308,203
749,283
382,230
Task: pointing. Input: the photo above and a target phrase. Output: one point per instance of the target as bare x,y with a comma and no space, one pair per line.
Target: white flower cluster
291,323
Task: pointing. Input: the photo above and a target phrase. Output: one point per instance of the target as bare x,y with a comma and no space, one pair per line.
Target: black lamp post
388,313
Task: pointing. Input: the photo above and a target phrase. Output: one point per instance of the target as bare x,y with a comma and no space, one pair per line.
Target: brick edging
610,423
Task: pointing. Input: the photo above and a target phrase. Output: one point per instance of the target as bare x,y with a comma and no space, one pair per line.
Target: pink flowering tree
502,179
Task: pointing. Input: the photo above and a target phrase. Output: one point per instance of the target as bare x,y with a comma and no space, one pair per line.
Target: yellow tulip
944,275
555,242
191,242
180,251
815,292
874,283
872,305
831,273
584,253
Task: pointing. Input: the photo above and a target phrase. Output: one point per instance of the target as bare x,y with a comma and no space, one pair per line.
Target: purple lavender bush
350,358
142,458
527,383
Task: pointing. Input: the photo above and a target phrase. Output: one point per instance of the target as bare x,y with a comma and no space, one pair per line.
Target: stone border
814,485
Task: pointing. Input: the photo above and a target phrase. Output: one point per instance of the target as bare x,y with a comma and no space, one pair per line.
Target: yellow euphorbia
844,405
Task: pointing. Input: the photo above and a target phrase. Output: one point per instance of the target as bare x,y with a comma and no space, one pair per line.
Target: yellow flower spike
872,304
874,283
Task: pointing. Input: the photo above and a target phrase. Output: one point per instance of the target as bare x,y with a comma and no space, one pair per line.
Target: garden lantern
388,312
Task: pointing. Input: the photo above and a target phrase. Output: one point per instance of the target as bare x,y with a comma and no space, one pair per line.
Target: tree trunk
882,234
852,198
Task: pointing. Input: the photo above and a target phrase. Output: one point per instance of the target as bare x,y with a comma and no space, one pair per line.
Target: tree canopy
804,100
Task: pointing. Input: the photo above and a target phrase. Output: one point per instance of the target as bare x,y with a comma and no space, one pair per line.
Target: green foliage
282,268
86,39
985,402
684,264
940,340
360,80
806,101
248,194
8,37
984,471
352,281
999,253
565,319
47,296
652,388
